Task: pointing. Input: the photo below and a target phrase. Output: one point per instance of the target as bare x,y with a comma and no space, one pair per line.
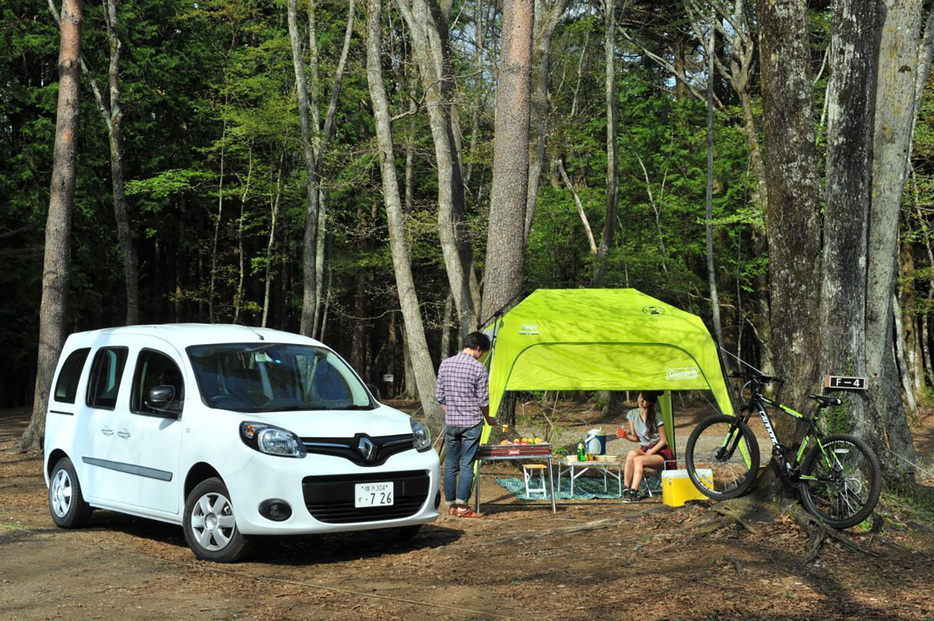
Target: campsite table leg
551,483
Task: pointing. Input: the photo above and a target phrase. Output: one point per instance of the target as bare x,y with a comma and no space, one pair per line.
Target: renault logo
367,449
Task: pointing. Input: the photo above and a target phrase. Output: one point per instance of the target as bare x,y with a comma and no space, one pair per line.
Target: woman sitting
648,430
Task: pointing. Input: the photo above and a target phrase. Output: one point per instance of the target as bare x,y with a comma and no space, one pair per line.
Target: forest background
234,163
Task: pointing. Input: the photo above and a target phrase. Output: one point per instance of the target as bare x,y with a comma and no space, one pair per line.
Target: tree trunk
220,214
130,269
793,182
708,226
901,358
896,107
427,24
57,260
612,122
241,251
309,246
271,243
505,251
319,261
851,100
416,343
547,15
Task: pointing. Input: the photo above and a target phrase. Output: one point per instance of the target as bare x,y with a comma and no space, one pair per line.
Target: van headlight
421,434
271,440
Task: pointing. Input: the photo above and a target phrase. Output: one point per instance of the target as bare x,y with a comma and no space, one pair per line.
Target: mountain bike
839,477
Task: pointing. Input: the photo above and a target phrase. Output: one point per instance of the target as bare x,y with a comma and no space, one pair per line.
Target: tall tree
505,251
850,108
612,148
793,183
896,106
427,21
58,223
548,14
310,244
708,198
111,111
416,344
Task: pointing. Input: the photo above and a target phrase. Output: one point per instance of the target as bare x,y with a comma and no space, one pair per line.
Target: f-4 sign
845,383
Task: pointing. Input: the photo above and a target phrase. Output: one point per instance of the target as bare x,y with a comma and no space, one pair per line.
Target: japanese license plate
373,494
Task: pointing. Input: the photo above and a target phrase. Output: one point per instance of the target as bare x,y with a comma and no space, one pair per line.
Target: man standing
464,395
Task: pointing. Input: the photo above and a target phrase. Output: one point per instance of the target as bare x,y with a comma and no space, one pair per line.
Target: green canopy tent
603,339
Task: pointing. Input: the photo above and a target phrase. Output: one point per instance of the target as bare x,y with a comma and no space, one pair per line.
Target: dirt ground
594,559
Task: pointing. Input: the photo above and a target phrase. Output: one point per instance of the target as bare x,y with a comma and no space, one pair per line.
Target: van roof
183,335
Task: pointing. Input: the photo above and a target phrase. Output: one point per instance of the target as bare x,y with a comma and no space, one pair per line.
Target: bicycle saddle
825,400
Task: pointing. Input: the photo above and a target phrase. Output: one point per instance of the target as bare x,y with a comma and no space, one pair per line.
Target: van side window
67,385
155,369
105,377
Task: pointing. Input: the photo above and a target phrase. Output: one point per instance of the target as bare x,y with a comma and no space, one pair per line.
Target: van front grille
330,499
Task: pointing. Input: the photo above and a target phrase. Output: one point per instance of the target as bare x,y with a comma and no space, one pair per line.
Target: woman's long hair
651,399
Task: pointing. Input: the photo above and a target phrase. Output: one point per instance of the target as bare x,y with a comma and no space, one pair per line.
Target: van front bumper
320,491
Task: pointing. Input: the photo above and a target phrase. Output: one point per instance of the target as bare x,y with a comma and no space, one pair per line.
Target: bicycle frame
758,402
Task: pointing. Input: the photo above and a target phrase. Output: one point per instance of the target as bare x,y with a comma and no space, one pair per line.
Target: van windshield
270,377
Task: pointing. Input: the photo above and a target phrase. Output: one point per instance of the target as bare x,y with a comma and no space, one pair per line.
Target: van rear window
67,385
106,372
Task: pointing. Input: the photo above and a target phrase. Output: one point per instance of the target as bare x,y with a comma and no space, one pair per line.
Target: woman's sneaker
629,495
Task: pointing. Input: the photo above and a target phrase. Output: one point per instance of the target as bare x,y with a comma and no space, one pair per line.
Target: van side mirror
160,398
374,390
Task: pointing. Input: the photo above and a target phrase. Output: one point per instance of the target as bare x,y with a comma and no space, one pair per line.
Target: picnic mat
585,488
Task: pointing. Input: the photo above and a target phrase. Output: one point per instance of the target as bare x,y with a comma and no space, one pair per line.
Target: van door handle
107,431
123,433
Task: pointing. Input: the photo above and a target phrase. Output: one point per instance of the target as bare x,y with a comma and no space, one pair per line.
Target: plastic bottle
581,456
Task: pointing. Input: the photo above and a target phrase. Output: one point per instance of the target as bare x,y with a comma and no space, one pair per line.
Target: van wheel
210,529
66,504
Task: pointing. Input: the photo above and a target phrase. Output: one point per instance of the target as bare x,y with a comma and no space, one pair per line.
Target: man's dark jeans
460,451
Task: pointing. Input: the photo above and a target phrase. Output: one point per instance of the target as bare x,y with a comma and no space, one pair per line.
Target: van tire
210,529
66,502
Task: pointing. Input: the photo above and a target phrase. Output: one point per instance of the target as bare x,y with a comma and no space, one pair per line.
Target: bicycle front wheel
722,457
840,481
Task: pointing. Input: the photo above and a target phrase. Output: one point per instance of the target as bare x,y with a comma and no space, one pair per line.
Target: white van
230,431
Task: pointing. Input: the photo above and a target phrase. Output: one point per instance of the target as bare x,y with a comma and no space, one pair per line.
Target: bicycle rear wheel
722,457
840,481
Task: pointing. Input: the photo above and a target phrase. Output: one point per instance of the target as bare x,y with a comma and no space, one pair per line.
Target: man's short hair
477,340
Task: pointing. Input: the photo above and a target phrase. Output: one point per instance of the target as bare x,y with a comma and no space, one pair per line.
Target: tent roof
603,339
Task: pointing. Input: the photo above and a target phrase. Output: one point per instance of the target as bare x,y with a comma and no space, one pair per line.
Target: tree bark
309,246
416,343
851,103
612,160
428,28
271,243
57,260
793,182
112,115
896,107
708,199
115,127
547,15
505,251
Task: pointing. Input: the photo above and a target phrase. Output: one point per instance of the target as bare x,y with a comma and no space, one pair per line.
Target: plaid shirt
463,389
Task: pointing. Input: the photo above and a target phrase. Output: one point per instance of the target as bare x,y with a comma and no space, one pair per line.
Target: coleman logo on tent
528,328
653,310
685,373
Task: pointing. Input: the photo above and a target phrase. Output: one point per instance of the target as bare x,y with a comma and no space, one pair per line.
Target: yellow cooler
677,487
